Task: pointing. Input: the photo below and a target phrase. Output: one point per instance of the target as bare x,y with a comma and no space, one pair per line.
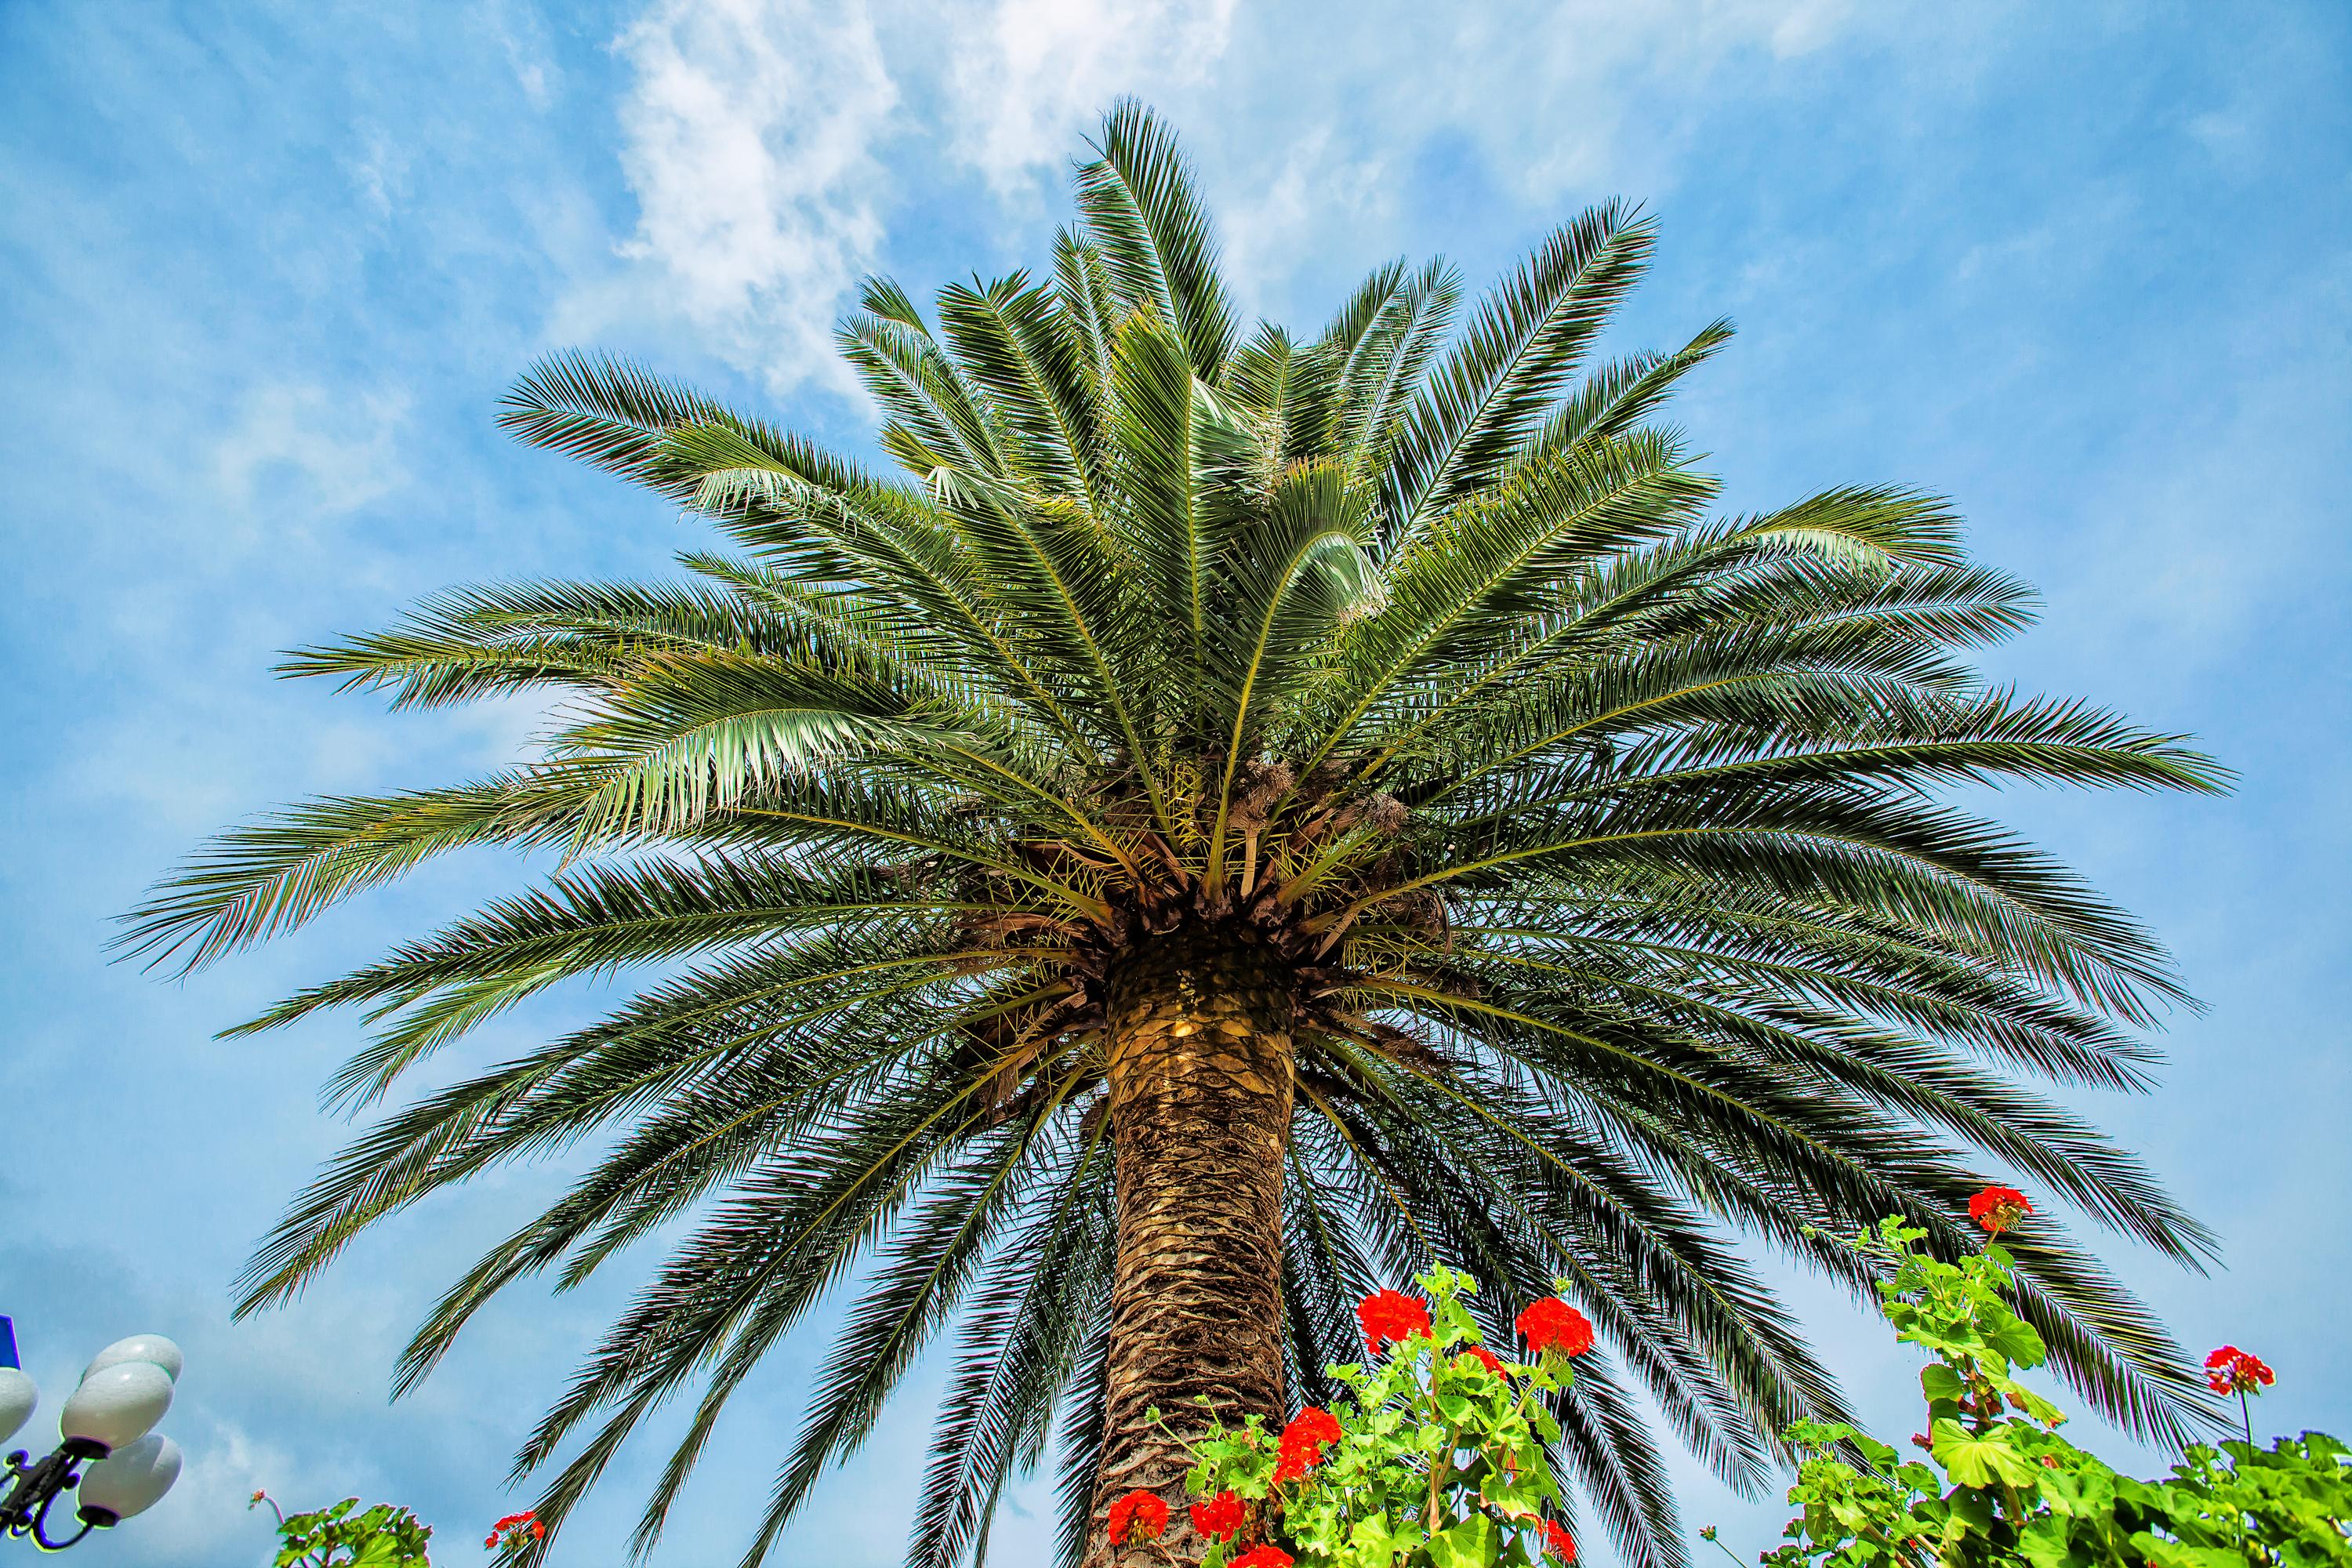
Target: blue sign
8,1343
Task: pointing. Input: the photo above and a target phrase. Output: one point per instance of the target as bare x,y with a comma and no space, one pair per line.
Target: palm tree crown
1563,863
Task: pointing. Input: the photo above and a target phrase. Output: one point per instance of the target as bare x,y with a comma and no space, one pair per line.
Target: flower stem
1439,1463
2246,1415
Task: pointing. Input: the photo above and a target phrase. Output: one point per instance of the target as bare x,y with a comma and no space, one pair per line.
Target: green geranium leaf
1981,1461
2033,1405
1468,1544
1879,1453
1376,1540
2016,1339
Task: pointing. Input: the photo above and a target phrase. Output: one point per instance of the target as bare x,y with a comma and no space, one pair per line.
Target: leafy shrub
1998,1485
380,1537
1437,1459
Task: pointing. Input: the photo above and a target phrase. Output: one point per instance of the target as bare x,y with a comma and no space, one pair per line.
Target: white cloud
1028,75
211,1512
1569,97
1269,225
757,133
750,136
754,135
344,454
381,176
1808,25
522,37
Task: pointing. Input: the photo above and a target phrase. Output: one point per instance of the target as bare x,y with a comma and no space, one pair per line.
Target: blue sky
263,270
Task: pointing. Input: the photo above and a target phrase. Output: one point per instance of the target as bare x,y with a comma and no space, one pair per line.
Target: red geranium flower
1138,1516
515,1522
1552,1321
1313,1425
1302,1444
1999,1208
1391,1316
1485,1358
1268,1557
1559,1541
2231,1371
1220,1518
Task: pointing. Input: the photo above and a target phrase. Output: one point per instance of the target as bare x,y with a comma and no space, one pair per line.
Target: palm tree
1242,816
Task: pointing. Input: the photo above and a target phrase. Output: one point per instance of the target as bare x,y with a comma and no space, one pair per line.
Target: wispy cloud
1586,95
750,133
522,38
765,140
760,137
1024,76
344,453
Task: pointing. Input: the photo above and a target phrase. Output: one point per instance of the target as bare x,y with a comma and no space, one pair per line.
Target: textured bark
1200,1106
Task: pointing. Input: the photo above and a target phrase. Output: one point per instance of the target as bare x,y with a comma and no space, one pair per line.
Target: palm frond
1483,399
1141,210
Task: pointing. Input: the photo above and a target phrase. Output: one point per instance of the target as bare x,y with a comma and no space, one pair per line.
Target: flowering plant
1437,1458
2233,1370
512,1536
1998,1209
1136,1517
1998,1485
347,1536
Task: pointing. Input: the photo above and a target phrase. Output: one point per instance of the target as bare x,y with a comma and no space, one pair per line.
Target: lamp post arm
26,1511
41,1532
29,1486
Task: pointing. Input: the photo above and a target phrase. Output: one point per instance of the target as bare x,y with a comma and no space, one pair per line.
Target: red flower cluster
1313,1425
515,1522
1559,1541
1999,1208
1138,1516
1552,1321
1220,1518
1391,1316
2231,1371
1264,1557
1485,1358
1302,1443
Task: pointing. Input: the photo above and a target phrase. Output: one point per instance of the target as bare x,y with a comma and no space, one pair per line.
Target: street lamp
105,1425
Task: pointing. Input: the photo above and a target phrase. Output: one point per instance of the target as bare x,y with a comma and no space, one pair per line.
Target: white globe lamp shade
116,1405
150,1348
129,1481
17,1397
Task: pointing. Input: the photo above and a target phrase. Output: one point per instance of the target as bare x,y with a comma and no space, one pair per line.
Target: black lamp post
105,1443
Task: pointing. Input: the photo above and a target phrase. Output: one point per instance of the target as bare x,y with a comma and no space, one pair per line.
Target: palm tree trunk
1200,1106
